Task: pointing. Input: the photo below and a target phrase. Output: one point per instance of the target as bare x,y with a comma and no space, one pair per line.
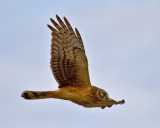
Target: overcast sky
122,42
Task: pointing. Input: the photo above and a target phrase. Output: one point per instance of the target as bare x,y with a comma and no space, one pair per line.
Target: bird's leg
112,102
122,101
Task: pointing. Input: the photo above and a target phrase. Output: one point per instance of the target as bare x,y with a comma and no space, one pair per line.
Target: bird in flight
69,66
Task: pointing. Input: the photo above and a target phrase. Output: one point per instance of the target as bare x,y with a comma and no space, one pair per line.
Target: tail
38,94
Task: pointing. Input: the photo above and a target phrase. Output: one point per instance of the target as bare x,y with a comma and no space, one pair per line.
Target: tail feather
37,94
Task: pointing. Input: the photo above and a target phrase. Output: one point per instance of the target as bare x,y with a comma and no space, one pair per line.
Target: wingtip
77,31
51,19
65,19
57,16
49,26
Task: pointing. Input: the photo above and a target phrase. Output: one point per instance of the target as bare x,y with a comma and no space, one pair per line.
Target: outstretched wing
68,59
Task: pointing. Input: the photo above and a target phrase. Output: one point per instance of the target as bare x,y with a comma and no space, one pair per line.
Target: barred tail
38,94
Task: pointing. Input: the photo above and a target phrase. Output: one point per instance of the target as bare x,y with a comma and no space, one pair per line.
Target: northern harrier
70,68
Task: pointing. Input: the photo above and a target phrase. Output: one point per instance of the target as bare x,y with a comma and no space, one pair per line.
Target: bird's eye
103,94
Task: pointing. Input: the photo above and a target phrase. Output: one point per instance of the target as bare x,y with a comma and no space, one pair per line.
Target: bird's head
105,100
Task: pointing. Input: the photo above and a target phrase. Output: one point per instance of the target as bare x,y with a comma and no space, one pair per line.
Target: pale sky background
122,42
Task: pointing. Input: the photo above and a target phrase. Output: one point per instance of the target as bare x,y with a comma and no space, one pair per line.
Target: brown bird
69,65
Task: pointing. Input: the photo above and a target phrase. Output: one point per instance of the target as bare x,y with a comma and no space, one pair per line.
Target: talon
122,101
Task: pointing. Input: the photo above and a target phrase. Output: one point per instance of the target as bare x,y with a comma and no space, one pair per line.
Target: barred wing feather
68,59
